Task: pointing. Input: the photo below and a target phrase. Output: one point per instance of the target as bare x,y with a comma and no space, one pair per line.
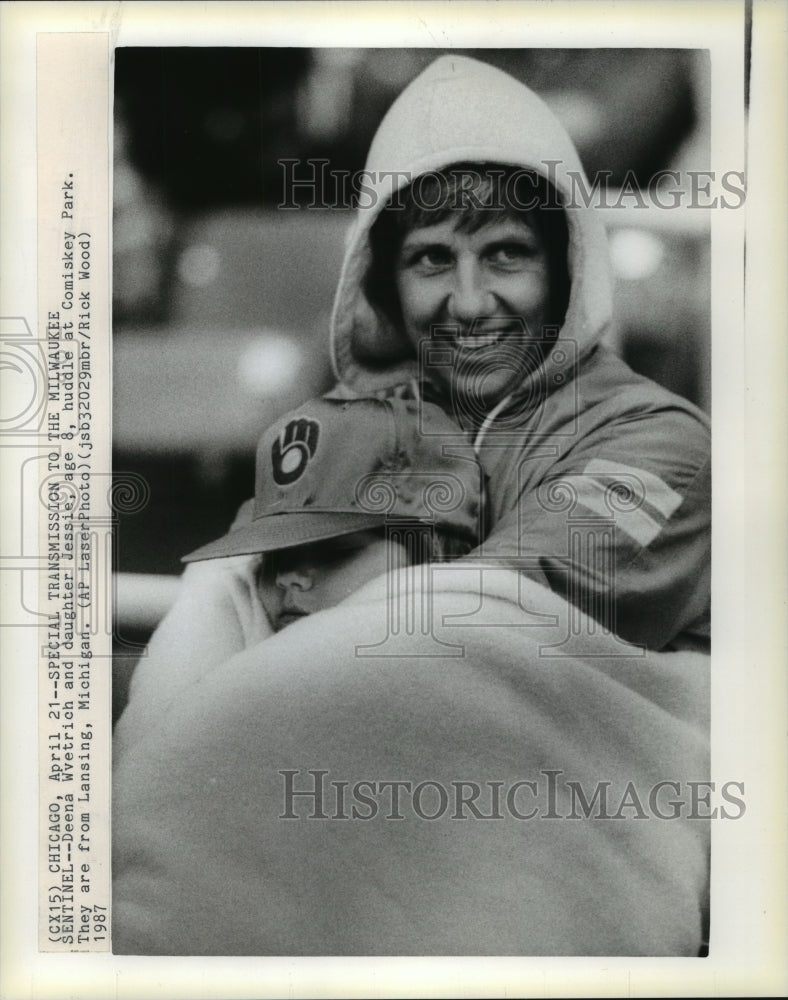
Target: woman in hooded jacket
470,280
481,283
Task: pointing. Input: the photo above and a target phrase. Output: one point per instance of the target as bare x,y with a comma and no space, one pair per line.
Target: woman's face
480,298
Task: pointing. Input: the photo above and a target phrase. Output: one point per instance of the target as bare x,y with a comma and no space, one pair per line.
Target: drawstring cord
477,441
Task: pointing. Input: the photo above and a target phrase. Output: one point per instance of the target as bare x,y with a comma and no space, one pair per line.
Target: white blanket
526,690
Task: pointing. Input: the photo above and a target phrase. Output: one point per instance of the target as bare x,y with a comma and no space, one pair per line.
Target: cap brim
283,531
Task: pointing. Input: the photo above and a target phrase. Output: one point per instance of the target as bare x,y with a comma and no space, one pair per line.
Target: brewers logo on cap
293,450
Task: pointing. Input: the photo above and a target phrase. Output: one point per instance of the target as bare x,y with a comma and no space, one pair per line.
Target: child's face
306,578
491,286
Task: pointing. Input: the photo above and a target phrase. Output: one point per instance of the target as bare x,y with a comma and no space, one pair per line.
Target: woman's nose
300,579
470,298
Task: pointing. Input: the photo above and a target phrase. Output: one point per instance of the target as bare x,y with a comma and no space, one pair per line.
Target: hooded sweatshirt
598,479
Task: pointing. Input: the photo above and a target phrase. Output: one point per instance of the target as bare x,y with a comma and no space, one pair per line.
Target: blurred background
221,300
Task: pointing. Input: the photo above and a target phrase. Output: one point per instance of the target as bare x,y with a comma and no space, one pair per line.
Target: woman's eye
430,260
510,255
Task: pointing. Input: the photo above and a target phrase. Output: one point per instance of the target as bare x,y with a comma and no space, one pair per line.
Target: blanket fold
320,793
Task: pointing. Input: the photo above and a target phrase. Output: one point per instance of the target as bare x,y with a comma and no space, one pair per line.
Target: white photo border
749,441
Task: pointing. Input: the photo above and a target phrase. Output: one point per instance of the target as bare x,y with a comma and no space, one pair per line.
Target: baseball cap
335,466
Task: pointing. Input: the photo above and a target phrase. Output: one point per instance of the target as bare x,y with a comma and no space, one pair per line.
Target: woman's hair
475,194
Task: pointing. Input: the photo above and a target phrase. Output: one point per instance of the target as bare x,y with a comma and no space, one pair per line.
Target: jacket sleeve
621,526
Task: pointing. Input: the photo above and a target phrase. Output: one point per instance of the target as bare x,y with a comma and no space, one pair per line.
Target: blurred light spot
126,184
579,113
133,230
327,94
199,265
635,253
270,366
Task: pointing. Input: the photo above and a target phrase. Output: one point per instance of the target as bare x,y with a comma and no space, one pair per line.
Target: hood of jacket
460,110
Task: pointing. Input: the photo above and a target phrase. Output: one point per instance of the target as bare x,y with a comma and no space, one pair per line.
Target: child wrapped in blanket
332,511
